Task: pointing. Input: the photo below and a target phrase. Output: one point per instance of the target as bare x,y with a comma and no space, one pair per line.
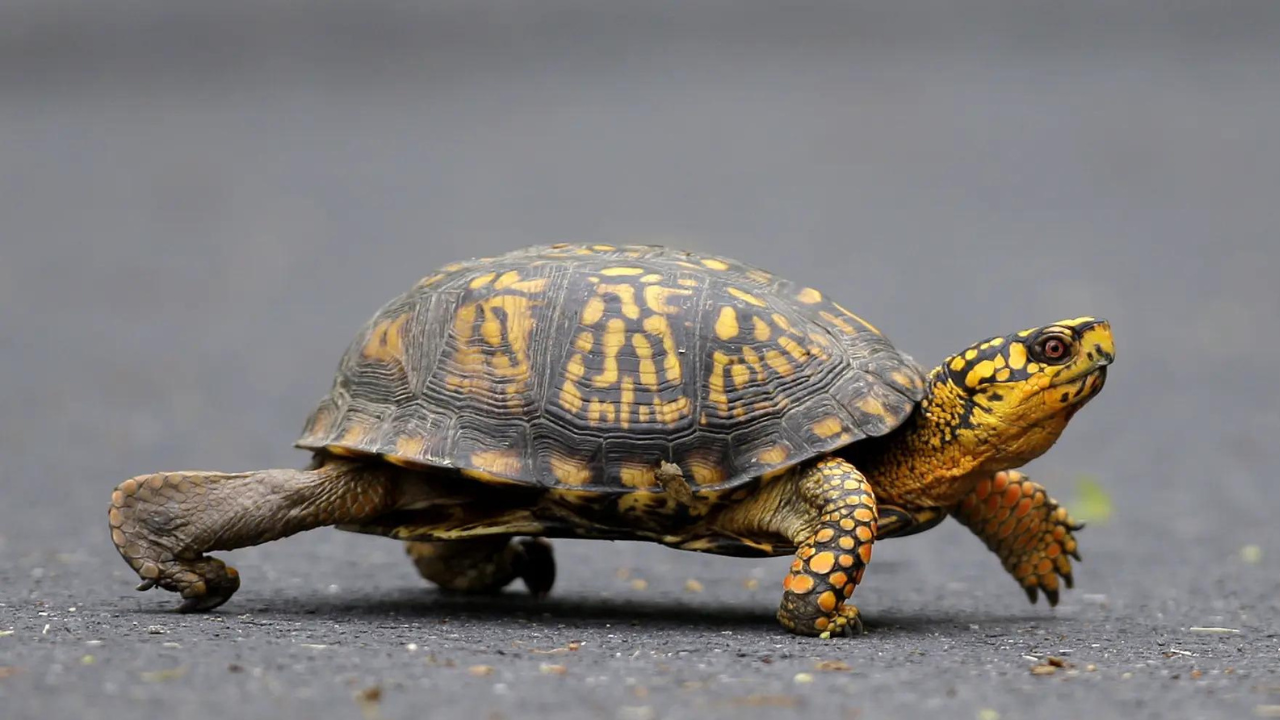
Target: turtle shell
589,366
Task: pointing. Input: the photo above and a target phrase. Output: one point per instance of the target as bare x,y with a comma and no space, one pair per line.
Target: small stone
1214,630
1091,668
693,586
1251,554
88,660
411,647
480,670
1043,669
988,714
803,678
156,630
548,669
832,666
639,584
751,584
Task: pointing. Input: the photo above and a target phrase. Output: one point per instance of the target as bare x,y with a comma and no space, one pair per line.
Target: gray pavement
199,206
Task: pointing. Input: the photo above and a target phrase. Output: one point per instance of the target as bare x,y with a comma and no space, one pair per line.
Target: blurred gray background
201,202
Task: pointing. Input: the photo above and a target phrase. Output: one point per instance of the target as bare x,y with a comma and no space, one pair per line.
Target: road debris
164,675
693,586
368,700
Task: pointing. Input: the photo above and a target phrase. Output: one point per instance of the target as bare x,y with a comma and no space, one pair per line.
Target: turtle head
1012,396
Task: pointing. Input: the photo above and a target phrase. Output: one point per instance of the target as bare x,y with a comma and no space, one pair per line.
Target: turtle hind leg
163,524
485,565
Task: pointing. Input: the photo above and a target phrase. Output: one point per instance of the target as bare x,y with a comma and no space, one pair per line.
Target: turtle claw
146,585
1033,593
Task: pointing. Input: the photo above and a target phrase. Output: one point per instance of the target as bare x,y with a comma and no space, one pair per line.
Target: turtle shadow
434,606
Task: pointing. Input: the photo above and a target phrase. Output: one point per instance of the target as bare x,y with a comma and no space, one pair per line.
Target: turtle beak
1096,343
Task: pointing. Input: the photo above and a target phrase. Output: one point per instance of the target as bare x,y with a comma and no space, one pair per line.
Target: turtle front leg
163,524
827,511
485,565
1027,529
834,547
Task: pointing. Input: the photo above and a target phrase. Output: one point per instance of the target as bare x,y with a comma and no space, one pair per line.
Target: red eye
1052,349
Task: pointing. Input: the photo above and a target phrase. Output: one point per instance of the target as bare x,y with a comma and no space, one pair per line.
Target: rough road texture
198,208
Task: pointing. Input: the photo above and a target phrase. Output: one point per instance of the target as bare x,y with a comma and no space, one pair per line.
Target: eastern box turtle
644,393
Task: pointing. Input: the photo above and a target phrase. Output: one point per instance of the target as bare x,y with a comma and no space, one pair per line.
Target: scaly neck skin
946,446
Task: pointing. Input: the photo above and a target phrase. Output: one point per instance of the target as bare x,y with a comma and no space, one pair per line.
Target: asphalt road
198,208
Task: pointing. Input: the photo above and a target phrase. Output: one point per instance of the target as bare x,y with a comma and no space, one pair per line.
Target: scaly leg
827,511
485,564
1030,532
163,524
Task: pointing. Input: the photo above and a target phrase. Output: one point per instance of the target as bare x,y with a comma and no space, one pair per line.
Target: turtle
637,392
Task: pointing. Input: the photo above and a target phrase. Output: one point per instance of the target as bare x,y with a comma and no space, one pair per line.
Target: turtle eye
1052,349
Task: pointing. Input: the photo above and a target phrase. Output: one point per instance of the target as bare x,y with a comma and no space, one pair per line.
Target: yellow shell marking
760,329
741,374
715,383
482,280
670,412
704,472
778,363
627,400
503,463
657,325
386,343
644,351
652,278
809,296
615,336
828,426
727,323
569,471
626,296
593,311
637,476
794,349
844,310
411,447
746,297
715,264
655,296
688,282
781,321
774,455
838,322
616,271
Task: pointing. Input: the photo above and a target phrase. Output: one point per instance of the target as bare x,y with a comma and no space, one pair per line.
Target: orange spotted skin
644,393
831,559
1028,530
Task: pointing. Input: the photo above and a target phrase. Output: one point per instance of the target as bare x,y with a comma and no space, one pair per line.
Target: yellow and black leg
834,547
485,565
1030,532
